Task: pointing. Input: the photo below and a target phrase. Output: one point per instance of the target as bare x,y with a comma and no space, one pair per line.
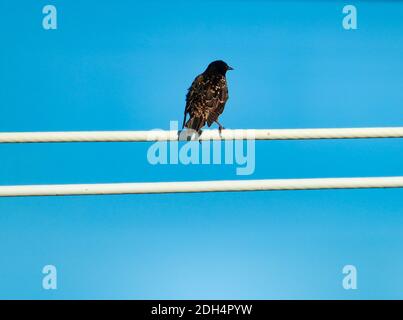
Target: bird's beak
230,68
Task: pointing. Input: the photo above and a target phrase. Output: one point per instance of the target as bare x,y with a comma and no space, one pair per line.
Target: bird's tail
195,123
184,121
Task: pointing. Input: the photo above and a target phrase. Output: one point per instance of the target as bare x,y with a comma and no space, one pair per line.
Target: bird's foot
220,129
199,133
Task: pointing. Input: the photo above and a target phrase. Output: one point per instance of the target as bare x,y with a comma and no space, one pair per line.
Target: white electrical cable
200,186
226,134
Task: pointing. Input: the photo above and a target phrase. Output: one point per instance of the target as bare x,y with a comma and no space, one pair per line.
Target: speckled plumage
206,98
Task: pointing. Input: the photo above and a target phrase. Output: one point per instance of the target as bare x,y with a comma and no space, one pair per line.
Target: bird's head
218,67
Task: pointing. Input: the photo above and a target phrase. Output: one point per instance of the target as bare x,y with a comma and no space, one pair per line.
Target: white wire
226,134
201,186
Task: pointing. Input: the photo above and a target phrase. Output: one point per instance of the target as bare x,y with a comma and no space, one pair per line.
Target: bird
206,97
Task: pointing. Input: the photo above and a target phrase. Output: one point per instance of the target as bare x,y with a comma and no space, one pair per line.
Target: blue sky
126,65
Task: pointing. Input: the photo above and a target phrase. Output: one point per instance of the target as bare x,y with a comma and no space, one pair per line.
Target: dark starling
207,96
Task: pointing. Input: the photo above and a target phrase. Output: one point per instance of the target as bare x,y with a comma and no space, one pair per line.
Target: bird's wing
194,96
205,101
216,98
194,92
